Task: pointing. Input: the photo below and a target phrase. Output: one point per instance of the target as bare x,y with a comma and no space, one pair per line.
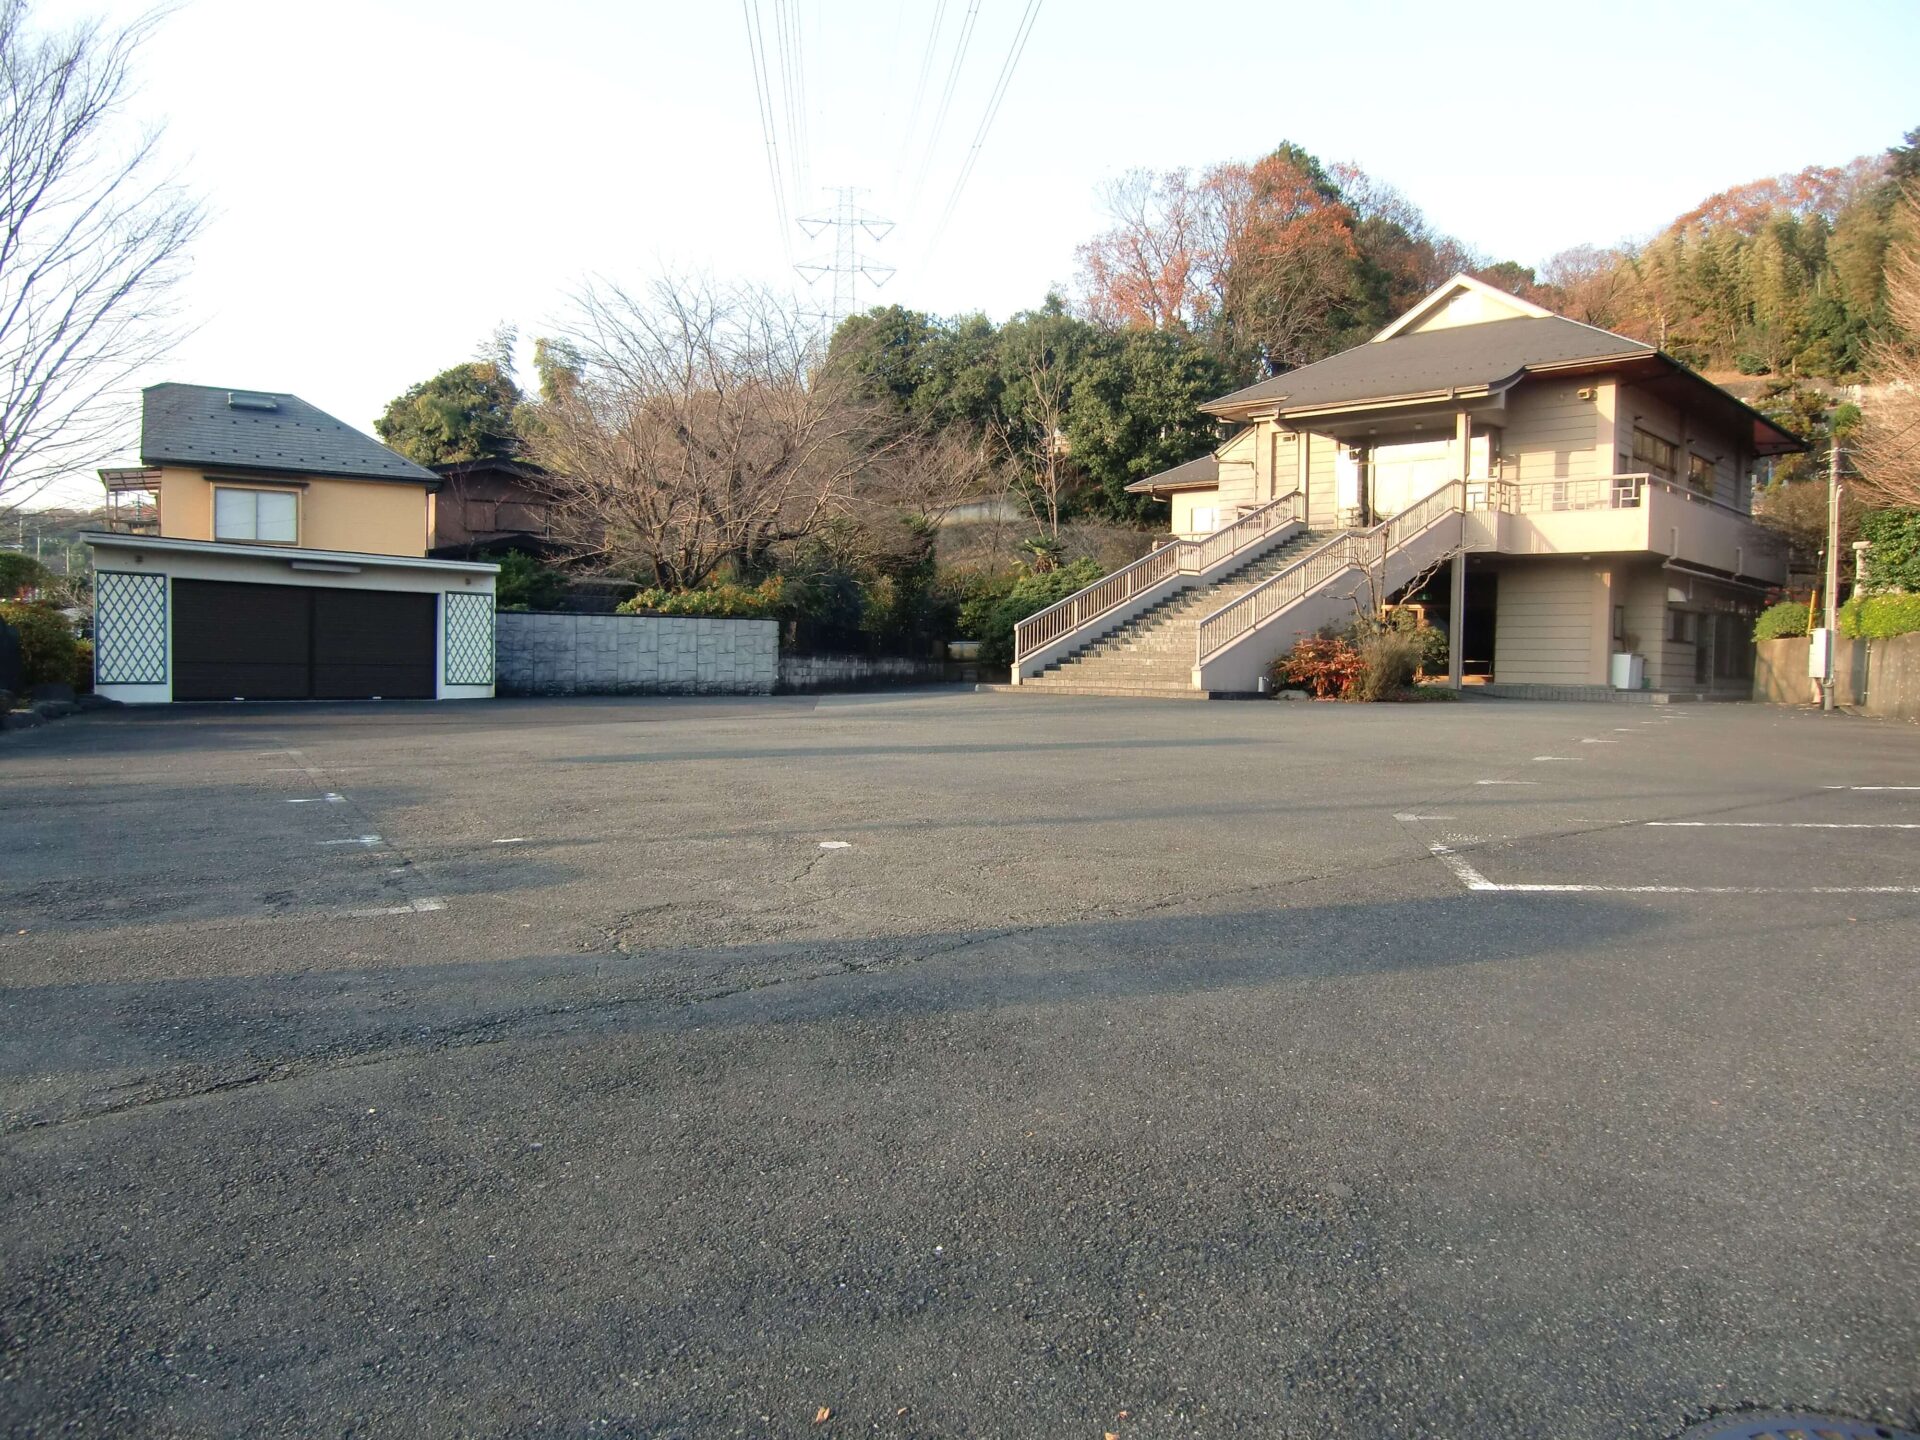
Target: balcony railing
1600,492
1625,513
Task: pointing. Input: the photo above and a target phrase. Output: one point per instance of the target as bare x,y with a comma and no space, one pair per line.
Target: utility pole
848,265
1832,617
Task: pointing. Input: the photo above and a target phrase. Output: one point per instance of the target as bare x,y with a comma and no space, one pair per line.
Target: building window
1700,473
1619,627
1680,626
1655,454
266,517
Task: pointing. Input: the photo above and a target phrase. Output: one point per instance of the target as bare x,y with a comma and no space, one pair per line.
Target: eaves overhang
292,556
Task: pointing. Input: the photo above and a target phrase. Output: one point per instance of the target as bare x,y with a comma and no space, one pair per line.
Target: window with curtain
270,517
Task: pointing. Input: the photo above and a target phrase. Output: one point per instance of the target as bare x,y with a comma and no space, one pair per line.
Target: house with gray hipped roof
265,550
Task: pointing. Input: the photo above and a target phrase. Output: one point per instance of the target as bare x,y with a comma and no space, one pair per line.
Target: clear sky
391,179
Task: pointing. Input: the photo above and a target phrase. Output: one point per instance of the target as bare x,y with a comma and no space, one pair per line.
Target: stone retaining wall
1879,677
634,655
800,673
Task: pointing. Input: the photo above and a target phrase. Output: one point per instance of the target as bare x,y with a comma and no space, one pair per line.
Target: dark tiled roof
1461,355
200,425
1193,475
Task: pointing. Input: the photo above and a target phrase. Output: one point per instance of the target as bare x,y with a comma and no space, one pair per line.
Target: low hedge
49,650
1880,617
1784,621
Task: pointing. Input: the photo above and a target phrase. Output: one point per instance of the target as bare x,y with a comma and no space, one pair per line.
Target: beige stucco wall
1553,434
373,517
1551,624
1691,435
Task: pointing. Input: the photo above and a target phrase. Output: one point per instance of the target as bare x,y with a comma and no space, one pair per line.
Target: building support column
1457,622
1457,594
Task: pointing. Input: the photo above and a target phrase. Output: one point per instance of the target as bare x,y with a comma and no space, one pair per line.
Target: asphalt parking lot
953,1064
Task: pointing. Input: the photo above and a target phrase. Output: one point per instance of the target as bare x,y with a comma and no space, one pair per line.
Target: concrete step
1140,692
1155,648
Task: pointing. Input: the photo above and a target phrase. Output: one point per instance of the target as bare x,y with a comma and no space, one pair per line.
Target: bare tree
93,239
1034,440
698,428
1889,450
1589,284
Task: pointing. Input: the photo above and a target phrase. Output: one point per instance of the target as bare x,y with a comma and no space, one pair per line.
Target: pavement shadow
251,1025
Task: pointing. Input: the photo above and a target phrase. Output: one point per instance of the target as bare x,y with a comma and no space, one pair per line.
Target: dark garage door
294,642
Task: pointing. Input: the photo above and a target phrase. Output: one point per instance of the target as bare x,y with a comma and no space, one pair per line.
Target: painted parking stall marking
399,879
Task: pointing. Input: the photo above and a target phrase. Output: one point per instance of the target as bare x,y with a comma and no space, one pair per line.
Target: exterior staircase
1206,618
1152,654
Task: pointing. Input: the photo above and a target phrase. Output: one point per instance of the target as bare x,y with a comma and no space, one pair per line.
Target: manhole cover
1783,1426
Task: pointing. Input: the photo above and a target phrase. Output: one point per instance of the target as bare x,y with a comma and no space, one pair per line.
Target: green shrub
49,653
1029,595
1388,662
1880,617
977,594
1893,562
526,584
20,573
724,601
83,667
1782,621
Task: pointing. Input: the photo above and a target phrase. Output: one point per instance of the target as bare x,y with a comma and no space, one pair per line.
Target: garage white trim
136,618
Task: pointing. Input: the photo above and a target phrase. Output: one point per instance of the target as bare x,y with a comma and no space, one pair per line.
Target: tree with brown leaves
1889,449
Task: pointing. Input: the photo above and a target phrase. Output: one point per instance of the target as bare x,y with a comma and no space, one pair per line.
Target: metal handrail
1183,557
1586,492
1350,550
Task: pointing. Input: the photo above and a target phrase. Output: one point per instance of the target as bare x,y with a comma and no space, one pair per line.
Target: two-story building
1556,494
263,550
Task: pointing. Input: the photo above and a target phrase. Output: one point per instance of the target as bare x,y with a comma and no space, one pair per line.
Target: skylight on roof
248,400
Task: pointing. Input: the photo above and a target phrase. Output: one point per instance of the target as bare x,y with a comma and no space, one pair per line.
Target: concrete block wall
1878,677
634,655
799,673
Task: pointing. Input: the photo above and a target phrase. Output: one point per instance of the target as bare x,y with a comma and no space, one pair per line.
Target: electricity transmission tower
848,266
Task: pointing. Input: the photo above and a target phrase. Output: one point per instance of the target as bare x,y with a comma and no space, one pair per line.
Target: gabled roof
1459,286
1435,363
1200,474
262,430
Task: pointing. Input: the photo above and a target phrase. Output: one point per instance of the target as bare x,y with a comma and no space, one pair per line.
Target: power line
787,38
1000,87
919,89
800,108
946,100
756,52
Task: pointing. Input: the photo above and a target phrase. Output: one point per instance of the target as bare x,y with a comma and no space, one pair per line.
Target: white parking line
415,907
327,799
352,840
1506,782
1779,825
1468,876
1870,787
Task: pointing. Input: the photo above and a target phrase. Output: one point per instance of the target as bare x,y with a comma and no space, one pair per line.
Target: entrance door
294,642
